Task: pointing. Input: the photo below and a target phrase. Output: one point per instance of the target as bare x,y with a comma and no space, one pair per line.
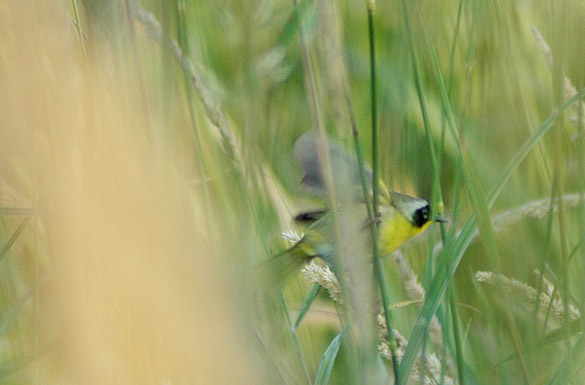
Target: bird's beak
440,219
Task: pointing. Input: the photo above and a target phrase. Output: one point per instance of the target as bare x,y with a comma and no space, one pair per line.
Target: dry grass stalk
212,108
417,292
569,89
535,210
322,275
529,294
432,373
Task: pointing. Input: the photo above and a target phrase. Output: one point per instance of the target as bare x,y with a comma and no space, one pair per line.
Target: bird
401,216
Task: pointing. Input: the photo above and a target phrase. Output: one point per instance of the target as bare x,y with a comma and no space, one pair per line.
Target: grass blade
14,237
439,282
295,339
78,28
304,11
328,359
9,318
307,304
378,268
571,364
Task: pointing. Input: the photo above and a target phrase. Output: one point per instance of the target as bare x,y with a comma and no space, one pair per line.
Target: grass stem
379,271
78,26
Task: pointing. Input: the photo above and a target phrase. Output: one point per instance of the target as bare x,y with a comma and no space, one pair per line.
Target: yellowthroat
401,216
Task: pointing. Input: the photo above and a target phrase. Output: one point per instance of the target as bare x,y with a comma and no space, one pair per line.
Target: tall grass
146,169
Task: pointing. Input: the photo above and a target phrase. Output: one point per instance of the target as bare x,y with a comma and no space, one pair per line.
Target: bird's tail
274,272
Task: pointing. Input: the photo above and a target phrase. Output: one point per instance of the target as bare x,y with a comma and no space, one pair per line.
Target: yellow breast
395,229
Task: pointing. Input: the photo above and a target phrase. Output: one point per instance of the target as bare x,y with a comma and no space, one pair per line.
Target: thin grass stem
436,178
13,237
379,271
296,340
322,150
212,108
452,301
140,74
78,29
438,285
183,34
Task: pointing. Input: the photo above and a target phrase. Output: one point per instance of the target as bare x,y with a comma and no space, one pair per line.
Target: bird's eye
421,216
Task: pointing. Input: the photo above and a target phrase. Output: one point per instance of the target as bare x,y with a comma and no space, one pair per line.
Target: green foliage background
500,90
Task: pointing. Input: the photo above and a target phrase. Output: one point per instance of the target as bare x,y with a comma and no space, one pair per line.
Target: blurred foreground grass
138,191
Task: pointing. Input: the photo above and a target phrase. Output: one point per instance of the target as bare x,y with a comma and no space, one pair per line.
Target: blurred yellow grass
134,296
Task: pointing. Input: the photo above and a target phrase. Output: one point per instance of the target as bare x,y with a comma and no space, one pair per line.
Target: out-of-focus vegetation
146,169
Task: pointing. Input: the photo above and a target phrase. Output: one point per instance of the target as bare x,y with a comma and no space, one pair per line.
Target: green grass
470,117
